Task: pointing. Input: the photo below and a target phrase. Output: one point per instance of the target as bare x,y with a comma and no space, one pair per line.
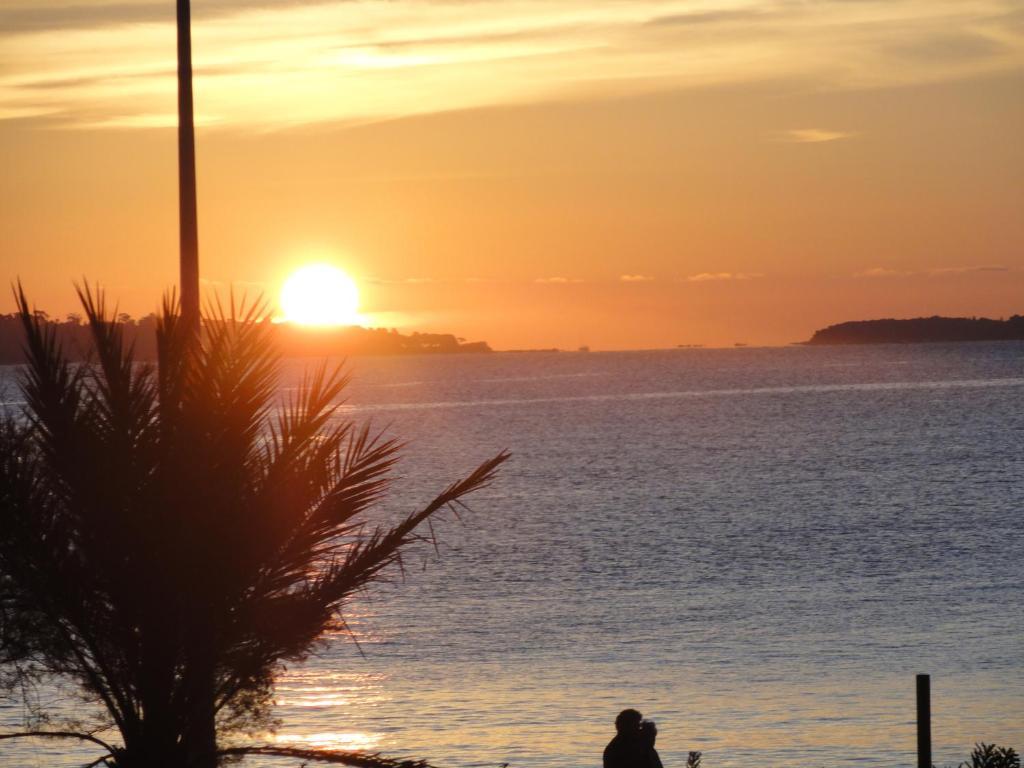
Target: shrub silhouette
169,537
991,756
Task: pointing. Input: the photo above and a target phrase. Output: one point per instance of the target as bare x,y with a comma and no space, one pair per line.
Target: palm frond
366,559
52,386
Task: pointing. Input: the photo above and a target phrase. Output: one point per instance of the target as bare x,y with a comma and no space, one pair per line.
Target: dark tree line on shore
921,330
75,337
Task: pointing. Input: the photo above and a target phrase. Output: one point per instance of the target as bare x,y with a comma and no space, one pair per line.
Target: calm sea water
757,548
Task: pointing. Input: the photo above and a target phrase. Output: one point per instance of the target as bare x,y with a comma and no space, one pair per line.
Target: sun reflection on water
317,688
313,699
348,740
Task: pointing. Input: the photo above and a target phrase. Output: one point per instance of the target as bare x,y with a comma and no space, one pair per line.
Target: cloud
403,280
812,135
557,280
43,15
882,272
933,272
940,271
14,112
243,285
155,120
635,278
965,46
283,63
697,18
704,277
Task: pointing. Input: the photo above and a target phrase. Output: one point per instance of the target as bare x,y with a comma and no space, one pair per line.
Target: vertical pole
924,721
187,218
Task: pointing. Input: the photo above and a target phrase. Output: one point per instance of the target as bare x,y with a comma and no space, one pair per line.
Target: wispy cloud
702,17
704,277
557,280
294,62
813,135
21,16
242,285
932,272
635,278
403,280
962,46
940,271
882,272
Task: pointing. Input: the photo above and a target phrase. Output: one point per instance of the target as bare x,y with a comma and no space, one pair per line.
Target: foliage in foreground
983,756
990,756
169,536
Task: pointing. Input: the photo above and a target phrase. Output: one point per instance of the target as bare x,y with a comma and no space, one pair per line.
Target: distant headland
294,341
921,330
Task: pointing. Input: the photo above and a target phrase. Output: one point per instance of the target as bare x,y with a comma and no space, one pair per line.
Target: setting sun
319,294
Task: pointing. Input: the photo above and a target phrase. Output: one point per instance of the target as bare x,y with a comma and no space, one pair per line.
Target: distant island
294,341
921,330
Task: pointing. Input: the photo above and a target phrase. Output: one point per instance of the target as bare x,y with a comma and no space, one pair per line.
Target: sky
616,173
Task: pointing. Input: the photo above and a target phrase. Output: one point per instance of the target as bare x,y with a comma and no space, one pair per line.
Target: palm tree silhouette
170,535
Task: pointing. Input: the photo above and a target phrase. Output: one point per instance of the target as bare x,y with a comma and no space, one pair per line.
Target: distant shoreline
297,342
293,341
920,330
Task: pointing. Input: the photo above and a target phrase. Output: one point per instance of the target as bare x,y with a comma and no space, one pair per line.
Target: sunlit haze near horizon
533,174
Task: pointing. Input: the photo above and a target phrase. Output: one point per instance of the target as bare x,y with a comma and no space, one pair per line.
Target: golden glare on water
330,740
320,294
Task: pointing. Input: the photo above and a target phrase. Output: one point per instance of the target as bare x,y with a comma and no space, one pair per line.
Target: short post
924,721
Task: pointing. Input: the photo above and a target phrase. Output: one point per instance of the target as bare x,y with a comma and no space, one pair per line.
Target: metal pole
187,218
924,722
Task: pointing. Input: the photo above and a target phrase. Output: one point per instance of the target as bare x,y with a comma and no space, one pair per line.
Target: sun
319,294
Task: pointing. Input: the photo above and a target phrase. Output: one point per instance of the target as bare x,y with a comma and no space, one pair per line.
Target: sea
758,548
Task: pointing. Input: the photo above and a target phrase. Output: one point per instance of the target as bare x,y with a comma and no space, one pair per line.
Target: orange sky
544,173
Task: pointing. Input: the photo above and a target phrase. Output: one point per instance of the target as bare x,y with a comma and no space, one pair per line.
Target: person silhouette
633,743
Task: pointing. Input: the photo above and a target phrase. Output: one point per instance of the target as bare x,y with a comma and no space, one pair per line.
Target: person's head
628,721
648,732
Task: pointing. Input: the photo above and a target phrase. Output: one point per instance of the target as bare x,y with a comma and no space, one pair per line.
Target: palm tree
169,537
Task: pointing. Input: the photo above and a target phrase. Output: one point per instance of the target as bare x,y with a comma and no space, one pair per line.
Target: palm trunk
200,727
160,723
